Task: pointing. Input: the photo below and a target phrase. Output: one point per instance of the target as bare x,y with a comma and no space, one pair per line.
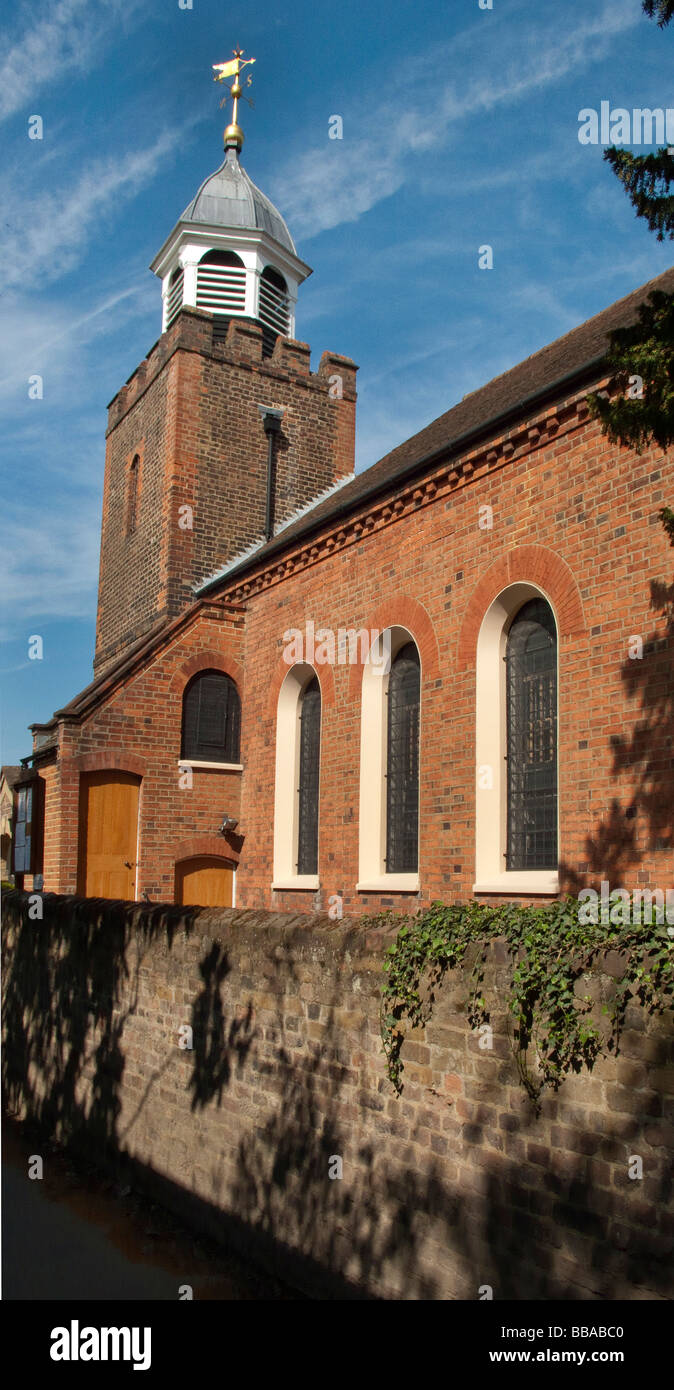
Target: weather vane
234,133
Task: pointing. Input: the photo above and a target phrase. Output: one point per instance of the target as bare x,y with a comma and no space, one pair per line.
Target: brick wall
138,730
190,411
572,514
454,1186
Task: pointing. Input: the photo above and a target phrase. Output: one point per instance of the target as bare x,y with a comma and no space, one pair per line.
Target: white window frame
491,803
286,788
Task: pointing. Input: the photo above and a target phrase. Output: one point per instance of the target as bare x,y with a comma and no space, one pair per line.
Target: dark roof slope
567,357
11,773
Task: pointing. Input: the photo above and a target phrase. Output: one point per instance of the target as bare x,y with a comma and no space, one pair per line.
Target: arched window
402,763
211,719
297,790
531,704
388,833
132,495
221,283
274,309
310,751
516,838
174,302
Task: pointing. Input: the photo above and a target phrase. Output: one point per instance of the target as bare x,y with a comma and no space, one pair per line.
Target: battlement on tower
197,330
186,472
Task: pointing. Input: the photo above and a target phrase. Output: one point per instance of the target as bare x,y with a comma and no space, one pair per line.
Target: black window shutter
211,719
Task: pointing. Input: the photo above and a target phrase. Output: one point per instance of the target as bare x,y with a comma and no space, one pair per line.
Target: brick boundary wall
456,1185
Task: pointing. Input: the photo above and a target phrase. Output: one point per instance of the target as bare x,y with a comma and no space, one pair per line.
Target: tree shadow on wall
546,1227
645,755
216,1045
64,981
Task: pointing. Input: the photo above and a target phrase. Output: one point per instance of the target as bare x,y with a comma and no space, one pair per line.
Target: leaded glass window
310,754
531,695
402,763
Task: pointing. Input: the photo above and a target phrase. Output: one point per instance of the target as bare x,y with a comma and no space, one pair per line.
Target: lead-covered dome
229,199
232,255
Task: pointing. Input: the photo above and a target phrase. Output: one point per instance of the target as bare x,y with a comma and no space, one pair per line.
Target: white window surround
491,803
391,883
286,789
210,767
300,883
372,875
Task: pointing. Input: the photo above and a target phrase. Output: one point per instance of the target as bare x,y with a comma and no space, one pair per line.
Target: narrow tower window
402,763
310,746
531,703
132,495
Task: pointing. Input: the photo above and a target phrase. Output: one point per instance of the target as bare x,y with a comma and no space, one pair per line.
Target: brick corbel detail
105,762
207,661
406,612
526,564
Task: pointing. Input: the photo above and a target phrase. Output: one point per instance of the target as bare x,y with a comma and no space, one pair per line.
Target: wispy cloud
338,181
51,230
50,338
64,37
50,569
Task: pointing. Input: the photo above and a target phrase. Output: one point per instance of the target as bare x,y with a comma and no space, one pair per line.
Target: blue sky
459,129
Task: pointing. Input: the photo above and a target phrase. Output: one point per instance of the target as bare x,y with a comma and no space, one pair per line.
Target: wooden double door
108,835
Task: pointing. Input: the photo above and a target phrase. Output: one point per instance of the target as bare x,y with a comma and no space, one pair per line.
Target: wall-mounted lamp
228,823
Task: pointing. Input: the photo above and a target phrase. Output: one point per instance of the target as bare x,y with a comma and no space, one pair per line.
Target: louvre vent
221,289
274,306
175,296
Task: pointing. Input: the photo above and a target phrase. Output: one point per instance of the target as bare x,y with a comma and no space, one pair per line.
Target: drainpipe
271,424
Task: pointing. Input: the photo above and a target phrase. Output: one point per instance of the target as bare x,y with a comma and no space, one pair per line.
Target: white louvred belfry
231,252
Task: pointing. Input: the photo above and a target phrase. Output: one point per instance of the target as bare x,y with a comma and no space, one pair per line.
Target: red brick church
448,676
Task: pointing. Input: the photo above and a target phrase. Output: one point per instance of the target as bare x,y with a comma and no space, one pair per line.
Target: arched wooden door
108,835
204,882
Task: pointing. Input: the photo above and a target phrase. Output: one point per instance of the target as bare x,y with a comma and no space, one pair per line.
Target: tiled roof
482,410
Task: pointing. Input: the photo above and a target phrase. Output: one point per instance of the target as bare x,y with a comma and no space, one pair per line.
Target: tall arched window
516,837
531,704
211,719
388,832
297,790
402,763
310,750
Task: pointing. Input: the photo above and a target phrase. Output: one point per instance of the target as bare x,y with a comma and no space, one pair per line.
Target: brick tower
223,432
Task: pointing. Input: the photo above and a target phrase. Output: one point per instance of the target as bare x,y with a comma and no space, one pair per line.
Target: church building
449,676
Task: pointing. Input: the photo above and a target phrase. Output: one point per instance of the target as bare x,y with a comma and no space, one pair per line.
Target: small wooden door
108,835
204,882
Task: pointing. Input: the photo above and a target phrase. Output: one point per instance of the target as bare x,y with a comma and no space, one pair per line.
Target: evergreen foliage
642,413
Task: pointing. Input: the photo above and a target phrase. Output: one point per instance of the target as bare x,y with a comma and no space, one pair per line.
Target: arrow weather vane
234,133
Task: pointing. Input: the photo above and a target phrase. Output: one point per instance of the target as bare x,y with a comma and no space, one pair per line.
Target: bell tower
187,470
231,252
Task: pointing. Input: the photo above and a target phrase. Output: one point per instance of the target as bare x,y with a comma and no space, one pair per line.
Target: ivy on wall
549,952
